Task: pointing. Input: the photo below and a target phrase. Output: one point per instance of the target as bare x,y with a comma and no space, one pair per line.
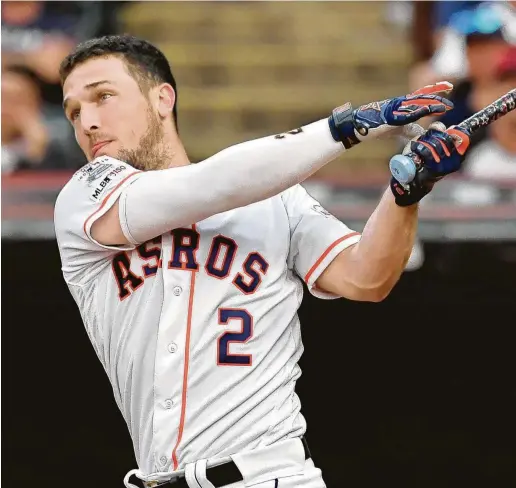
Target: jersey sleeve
316,237
89,194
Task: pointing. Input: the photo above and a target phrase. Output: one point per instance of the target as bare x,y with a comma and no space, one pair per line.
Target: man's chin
106,151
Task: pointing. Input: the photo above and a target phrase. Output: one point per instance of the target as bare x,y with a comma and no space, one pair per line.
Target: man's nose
90,120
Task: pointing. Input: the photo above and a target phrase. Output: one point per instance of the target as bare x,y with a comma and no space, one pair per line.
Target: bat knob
403,169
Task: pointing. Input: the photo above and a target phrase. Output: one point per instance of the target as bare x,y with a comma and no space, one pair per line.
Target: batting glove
350,126
440,151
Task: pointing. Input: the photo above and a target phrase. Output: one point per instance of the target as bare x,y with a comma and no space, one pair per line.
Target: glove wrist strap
342,126
416,190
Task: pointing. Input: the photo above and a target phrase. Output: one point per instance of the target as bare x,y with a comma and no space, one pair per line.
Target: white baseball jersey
197,329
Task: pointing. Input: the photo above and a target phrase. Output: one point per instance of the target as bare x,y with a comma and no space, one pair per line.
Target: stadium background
416,391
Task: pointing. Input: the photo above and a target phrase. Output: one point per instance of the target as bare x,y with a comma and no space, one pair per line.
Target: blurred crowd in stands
36,36
472,44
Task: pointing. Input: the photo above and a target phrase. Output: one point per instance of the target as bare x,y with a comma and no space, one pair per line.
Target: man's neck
177,156
175,150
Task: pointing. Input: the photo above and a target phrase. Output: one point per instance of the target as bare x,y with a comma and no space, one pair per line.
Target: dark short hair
144,60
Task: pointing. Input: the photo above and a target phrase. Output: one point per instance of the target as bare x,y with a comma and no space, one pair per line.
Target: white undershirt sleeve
240,175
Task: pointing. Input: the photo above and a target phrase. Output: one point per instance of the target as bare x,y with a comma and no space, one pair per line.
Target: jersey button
177,290
172,347
168,403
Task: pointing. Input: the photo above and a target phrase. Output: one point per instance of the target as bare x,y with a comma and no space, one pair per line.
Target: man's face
20,100
483,55
110,114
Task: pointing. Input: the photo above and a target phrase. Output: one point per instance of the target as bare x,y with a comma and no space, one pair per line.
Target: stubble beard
151,153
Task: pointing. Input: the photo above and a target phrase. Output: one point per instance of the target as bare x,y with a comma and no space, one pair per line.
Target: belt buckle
156,484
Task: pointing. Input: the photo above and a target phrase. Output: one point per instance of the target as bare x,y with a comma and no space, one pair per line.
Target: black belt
221,475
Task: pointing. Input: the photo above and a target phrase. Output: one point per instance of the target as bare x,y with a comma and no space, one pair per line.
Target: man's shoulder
96,169
94,178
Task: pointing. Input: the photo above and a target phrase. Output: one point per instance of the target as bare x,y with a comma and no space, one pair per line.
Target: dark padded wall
417,391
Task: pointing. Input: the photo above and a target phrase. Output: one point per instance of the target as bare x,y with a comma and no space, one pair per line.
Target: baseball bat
405,167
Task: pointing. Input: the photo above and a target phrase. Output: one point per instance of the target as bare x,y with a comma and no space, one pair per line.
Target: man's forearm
240,175
385,247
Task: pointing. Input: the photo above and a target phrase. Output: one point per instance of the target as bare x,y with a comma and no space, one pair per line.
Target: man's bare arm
369,270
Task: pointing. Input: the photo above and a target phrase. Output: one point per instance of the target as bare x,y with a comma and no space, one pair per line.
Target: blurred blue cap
483,20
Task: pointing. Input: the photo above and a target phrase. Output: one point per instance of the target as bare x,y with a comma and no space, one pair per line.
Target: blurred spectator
483,39
426,20
36,36
495,157
450,59
444,11
31,139
484,45
36,39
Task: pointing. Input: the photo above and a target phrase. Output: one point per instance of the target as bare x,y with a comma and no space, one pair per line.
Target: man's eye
105,96
75,114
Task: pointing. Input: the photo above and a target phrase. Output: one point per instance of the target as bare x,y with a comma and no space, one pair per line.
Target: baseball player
188,277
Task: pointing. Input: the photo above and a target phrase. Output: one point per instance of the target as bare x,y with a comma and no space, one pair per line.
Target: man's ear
166,99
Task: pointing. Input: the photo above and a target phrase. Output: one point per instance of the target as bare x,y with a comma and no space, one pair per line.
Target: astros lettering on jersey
197,329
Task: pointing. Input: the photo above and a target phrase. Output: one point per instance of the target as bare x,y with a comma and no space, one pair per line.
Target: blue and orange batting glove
351,126
440,152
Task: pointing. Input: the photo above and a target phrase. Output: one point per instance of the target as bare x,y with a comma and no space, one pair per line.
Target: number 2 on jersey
226,317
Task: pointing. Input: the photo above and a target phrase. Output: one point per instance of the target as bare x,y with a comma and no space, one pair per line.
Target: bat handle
404,167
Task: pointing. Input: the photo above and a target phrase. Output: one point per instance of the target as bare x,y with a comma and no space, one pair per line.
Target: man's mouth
97,147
